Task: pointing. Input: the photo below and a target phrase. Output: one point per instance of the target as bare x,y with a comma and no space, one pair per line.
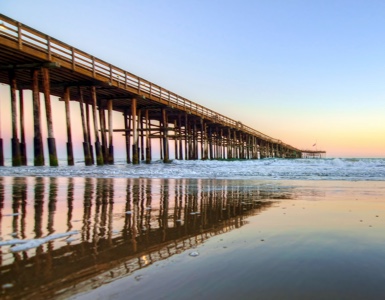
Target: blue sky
300,71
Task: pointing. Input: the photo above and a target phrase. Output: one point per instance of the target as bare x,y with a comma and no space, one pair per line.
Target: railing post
48,47
19,36
73,58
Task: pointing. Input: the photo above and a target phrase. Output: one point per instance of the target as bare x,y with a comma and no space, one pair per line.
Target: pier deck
32,60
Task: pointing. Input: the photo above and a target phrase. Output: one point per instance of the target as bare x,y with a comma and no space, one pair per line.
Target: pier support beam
110,134
70,154
23,146
127,127
148,140
166,157
86,145
16,159
141,135
102,119
88,119
37,140
53,161
135,150
98,152
186,152
1,153
180,136
1,145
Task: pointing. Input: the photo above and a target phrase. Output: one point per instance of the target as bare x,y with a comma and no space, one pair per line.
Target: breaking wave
265,169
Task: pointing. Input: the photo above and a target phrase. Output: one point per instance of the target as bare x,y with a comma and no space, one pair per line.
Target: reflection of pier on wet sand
123,225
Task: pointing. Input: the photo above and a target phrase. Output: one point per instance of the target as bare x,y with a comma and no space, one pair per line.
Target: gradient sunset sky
304,72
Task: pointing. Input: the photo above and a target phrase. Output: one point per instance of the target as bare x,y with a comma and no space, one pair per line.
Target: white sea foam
23,245
302,169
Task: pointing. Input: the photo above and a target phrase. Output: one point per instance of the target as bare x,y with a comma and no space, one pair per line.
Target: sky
305,72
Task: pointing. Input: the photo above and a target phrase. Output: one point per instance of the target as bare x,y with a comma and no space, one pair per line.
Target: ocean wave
303,169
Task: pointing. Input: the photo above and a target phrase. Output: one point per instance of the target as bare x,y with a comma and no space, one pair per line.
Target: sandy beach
191,238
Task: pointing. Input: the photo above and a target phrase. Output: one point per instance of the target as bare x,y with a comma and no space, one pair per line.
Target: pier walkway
32,60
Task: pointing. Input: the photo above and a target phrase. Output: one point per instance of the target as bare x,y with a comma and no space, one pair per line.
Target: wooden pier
32,60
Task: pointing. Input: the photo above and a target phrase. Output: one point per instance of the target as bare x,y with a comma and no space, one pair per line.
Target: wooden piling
1,145
186,138
194,141
141,135
70,154
148,141
166,157
176,141
102,119
22,144
135,154
86,145
210,140
1,153
88,122
53,161
229,144
204,141
16,159
98,152
37,140
127,127
180,136
110,134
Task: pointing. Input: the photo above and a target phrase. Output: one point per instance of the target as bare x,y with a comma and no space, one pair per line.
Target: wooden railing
54,50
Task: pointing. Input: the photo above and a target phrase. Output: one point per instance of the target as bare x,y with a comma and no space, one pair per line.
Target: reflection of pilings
87,206
70,200
189,212
16,200
52,199
39,201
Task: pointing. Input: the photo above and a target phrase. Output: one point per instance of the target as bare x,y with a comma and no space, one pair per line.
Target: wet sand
193,238
326,243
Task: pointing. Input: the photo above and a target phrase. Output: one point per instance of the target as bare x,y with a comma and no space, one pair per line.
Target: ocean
256,229
351,169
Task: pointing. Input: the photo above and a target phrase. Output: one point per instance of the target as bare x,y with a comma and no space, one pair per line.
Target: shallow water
265,169
186,238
